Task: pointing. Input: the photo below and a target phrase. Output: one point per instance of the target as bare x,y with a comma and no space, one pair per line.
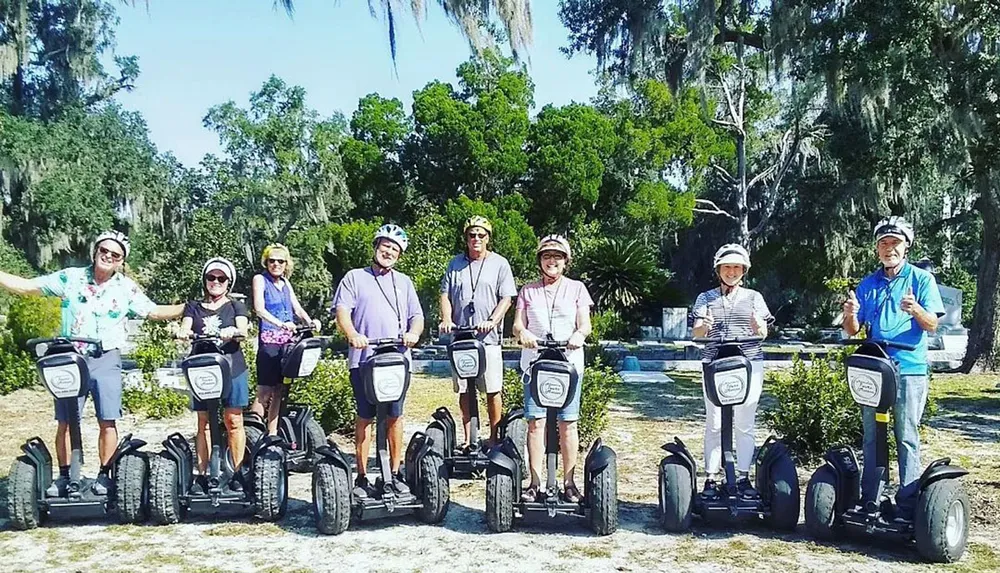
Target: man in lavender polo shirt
378,302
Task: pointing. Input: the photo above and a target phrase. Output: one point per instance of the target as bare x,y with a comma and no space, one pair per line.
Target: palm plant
621,274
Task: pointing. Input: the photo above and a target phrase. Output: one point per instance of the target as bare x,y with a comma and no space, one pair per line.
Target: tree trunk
984,333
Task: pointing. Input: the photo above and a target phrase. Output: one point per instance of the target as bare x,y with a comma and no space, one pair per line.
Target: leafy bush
32,317
17,368
328,392
608,325
620,274
155,347
600,383
814,409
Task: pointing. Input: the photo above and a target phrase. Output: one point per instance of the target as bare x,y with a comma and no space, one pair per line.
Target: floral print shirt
90,310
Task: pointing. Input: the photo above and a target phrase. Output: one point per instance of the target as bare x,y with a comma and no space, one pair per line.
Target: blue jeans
911,395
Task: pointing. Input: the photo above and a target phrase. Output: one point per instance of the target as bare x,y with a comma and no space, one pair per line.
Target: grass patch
587,550
978,557
157,559
82,550
244,529
277,569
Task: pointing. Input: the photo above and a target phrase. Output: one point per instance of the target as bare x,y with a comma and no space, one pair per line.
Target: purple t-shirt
381,306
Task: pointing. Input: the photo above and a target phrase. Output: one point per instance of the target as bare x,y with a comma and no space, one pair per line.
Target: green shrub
154,401
154,348
608,324
600,382
33,317
17,368
328,392
814,409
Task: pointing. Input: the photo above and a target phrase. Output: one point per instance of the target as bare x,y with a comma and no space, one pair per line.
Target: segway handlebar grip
553,343
877,341
96,346
397,341
722,340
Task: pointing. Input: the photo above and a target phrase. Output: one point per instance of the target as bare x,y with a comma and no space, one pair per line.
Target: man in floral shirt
96,302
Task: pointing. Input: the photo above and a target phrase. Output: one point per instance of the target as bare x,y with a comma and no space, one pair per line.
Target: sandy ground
645,415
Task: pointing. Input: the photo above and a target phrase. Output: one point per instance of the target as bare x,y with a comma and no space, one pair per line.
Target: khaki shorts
492,380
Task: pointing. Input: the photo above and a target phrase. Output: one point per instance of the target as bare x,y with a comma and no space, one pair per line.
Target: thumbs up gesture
909,303
851,305
708,321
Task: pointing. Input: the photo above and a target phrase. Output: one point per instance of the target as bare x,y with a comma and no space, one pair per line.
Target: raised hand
851,305
909,303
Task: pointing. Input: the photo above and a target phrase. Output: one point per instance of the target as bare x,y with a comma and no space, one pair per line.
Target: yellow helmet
477,221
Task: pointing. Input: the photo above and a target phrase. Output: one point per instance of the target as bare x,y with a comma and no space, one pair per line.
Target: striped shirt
731,317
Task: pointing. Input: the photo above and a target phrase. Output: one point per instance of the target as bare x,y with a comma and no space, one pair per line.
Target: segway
297,425
63,370
467,355
172,472
837,501
386,378
727,384
552,382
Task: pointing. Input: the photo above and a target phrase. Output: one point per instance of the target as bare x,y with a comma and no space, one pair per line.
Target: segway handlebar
879,342
553,343
215,338
397,341
469,329
723,340
96,347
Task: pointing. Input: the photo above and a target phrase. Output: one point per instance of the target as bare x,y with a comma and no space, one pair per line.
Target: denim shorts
367,410
533,411
105,385
239,395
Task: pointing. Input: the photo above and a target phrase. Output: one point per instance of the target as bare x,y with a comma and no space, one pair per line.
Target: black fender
444,421
251,418
507,419
293,424
265,442
598,457
38,455
128,444
177,448
938,470
677,449
504,459
768,454
331,452
416,450
844,463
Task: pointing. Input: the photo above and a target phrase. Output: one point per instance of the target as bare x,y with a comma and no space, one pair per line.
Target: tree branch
721,171
715,210
956,219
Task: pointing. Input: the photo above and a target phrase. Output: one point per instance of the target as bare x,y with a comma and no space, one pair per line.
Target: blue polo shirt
880,299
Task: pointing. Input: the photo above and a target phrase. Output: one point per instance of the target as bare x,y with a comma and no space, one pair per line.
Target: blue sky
195,54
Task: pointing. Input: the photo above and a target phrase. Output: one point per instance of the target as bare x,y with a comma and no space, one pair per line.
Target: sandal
530,494
571,494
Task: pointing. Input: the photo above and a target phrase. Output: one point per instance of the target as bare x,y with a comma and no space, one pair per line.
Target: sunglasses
221,279
108,252
477,235
276,261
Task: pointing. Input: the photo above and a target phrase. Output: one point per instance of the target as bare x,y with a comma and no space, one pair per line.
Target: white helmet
220,264
116,236
394,233
894,226
732,254
556,243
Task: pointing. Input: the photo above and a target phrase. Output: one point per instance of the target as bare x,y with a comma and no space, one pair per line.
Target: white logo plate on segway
466,363
388,382
206,382
732,386
553,388
865,385
62,381
310,358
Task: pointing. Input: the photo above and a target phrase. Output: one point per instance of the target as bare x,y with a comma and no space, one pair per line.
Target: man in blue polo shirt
901,303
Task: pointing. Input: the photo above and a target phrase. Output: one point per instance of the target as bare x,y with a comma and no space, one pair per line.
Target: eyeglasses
477,235
221,279
550,255
276,261
108,252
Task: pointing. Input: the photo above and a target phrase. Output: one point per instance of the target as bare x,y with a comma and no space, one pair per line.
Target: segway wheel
253,434
436,493
821,505
437,442
132,475
676,500
164,490
783,491
602,496
499,502
331,498
941,524
22,497
517,431
270,484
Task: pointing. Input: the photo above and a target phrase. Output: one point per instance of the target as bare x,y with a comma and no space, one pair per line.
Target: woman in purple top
276,306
